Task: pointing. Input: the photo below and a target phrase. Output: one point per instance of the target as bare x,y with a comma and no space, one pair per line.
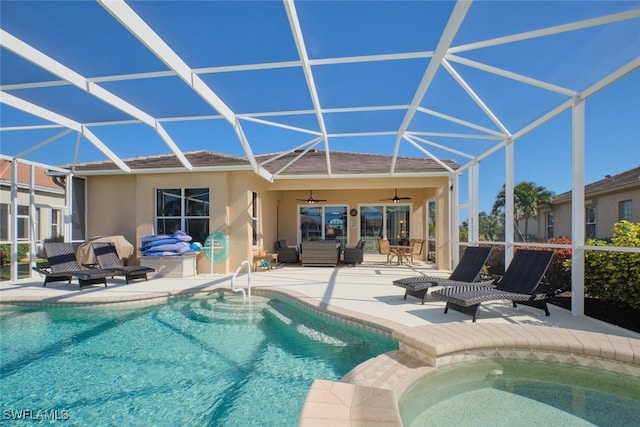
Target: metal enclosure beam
577,209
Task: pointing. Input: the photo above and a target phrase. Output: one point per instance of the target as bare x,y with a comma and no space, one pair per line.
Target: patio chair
518,285
417,245
63,266
108,259
467,271
286,253
354,254
385,249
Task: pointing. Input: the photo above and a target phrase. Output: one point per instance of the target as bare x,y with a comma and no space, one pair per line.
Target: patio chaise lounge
518,285
108,259
63,266
467,271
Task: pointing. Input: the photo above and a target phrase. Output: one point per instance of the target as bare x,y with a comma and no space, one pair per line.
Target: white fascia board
366,175
196,169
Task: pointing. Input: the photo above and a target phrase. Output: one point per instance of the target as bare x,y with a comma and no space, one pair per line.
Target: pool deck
428,337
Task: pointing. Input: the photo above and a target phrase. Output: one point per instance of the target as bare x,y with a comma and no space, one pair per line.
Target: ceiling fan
395,198
311,200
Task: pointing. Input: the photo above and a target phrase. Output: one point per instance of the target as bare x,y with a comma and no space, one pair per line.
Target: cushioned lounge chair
286,253
518,285
354,254
467,271
63,266
108,259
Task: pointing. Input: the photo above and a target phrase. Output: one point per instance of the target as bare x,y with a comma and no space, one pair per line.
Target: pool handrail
233,288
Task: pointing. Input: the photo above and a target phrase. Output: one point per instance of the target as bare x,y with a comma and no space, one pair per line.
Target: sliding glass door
384,221
323,222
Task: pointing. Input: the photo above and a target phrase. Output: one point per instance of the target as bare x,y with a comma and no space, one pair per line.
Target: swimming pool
192,361
508,392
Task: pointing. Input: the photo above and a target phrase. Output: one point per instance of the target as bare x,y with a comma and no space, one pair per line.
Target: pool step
215,310
303,329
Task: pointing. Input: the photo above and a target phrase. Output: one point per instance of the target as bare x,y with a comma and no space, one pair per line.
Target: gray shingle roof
313,162
611,183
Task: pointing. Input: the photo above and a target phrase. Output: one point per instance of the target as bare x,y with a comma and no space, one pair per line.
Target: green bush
615,276
5,252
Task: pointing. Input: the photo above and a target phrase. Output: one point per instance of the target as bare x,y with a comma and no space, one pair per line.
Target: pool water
190,362
509,392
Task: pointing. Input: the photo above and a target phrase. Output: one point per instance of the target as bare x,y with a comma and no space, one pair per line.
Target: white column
577,209
32,219
67,227
508,202
455,221
13,225
474,204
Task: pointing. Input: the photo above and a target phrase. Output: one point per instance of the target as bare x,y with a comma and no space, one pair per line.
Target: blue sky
87,39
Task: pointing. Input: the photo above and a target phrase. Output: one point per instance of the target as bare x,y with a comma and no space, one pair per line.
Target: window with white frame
56,223
22,221
36,224
590,222
4,221
624,210
184,209
550,220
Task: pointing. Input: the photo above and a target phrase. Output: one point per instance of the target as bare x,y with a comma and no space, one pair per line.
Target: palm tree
491,225
528,198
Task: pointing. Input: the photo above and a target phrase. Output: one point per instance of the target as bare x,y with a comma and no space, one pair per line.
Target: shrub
615,276
557,274
5,252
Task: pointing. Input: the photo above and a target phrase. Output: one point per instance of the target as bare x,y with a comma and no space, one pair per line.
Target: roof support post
474,205
577,208
13,226
34,226
508,202
455,219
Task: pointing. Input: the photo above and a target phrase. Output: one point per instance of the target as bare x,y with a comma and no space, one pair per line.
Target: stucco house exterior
223,194
44,194
607,201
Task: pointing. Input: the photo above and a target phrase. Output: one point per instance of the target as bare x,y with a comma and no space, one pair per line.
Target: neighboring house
48,203
223,194
614,198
